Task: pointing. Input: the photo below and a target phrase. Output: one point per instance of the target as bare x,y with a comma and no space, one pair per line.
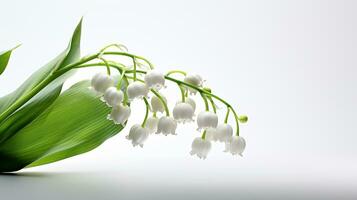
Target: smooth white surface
289,65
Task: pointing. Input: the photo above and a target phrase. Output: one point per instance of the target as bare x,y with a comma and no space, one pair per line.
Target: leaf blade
21,117
5,58
75,123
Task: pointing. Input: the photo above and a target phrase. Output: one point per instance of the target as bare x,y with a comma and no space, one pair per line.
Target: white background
289,65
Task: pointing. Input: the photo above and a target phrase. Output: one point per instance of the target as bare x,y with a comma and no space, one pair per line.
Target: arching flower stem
227,115
146,112
182,90
205,100
176,72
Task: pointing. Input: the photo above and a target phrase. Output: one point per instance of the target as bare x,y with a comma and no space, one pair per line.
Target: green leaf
43,99
4,59
75,123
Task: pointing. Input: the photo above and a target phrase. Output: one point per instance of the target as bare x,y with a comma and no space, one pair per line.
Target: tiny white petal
100,82
183,112
195,80
207,119
157,105
154,79
113,97
152,123
167,125
138,135
200,147
236,145
120,114
137,90
224,132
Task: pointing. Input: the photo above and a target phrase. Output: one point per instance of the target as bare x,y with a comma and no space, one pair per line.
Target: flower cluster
146,85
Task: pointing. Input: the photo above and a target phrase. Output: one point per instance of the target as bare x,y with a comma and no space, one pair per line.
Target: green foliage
51,126
75,123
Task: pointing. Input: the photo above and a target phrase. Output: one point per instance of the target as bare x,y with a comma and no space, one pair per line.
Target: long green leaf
75,123
43,99
4,59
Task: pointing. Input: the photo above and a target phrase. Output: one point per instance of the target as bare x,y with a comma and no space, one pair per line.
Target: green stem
237,120
205,100
106,64
176,72
162,101
182,90
27,96
146,113
134,61
213,105
130,55
204,135
227,115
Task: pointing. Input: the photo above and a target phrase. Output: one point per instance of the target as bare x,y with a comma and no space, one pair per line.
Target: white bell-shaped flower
113,97
193,79
207,119
235,145
183,112
200,147
211,134
224,132
167,125
137,90
120,114
138,135
157,105
151,124
101,82
154,80
190,101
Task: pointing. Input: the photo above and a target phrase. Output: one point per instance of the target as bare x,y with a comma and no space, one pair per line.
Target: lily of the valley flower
113,97
120,114
151,124
138,135
137,90
193,79
200,147
235,145
224,132
101,82
156,104
211,134
154,80
207,119
167,125
183,112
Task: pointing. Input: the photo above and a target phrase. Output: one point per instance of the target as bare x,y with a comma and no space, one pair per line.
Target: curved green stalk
146,112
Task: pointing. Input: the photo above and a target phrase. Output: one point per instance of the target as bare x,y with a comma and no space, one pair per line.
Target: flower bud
200,147
138,135
224,132
243,118
113,97
207,119
120,114
151,124
195,80
167,125
100,82
154,80
137,90
183,112
157,105
236,145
